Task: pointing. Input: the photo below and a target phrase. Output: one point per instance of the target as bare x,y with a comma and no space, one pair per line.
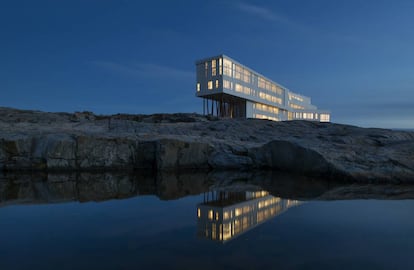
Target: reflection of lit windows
217,84
210,85
226,215
213,67
213,231
198,87
237,212
198,212
227,228
210,214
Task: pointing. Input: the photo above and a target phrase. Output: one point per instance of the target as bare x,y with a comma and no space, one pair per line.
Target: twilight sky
354,58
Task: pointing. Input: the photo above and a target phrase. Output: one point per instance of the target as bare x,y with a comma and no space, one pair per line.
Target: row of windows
228,230
251,92
268,85
256,194
295,106
266,108
238,72
295,97
214,67
270,98
268,202
304,115
262,116
210,85
324,117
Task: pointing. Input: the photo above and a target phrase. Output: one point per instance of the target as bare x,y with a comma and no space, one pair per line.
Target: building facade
230,89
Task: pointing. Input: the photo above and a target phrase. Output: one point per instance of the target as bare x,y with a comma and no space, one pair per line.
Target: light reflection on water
119,222
224,215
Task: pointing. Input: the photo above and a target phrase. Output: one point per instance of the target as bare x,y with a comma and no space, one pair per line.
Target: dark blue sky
352,57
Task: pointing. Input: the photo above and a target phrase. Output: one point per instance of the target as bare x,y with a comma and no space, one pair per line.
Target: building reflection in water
225,215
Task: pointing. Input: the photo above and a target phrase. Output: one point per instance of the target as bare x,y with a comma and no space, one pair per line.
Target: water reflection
224,215
84,187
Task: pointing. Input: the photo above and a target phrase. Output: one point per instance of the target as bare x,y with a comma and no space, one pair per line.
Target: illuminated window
227,67
210,214
261,82
226,84
237,212
213,67
237,72
217,215
324,117
217,84
213,231
220,66
226,215
198,212
210,85
198,87
238,88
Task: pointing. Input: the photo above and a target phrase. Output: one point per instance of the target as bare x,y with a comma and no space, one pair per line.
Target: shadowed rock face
86,187
39,141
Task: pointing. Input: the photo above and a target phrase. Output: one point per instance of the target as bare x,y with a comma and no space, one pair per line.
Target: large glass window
237,72
227,67
220,66
324,117
226,84
213,67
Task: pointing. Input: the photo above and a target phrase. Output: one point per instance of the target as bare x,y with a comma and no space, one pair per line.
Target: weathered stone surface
225,160
33,140
172,154
285,155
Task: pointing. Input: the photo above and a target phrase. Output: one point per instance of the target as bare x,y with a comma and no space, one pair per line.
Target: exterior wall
220,78
249,109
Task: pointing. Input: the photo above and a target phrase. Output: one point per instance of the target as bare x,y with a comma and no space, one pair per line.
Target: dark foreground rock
39,141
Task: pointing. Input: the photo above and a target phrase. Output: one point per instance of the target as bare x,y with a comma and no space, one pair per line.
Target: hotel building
230,89
225,215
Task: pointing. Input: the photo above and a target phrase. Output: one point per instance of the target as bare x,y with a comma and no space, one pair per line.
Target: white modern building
230,89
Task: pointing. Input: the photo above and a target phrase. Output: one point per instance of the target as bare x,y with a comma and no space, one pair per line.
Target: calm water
233,226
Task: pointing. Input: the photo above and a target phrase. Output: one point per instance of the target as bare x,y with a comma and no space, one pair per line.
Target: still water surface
219,228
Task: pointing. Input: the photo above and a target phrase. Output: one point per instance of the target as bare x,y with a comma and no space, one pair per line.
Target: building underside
224,105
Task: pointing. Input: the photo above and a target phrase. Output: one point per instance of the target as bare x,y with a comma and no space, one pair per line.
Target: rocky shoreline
55,142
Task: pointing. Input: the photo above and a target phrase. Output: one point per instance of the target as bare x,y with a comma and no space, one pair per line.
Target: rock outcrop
40,141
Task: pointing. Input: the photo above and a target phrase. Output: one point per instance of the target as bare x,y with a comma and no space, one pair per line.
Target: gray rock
33,140
225,160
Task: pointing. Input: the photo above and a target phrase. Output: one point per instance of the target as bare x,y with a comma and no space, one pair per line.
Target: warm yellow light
210,85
